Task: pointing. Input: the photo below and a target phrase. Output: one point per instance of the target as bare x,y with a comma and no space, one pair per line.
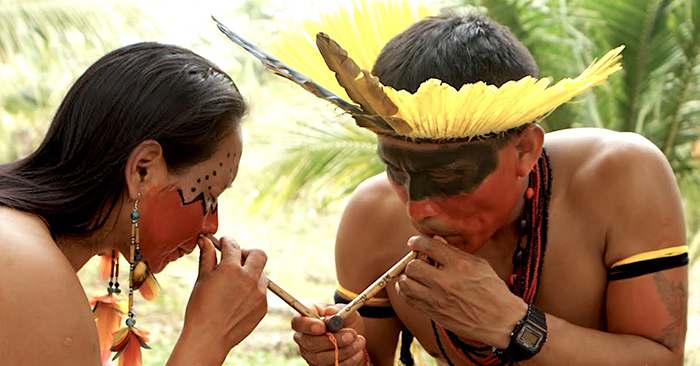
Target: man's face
173,217
462,191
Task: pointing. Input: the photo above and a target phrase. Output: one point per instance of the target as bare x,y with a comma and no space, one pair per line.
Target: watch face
530,336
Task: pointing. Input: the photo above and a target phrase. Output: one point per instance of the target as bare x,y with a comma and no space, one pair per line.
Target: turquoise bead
130,322
134,215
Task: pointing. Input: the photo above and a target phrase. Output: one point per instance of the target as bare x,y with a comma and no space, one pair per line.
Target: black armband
374,308
649,262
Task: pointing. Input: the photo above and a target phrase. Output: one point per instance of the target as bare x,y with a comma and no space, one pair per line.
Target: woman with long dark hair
133,162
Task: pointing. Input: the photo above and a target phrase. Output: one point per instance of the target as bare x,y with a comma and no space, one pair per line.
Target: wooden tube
336,322
276,289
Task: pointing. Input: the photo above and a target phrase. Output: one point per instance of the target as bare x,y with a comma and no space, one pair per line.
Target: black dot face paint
204,182
437,170
200,193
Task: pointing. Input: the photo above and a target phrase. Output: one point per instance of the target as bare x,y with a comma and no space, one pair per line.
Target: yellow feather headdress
309,55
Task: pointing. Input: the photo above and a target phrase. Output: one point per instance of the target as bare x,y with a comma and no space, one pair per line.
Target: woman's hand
316,347
227,302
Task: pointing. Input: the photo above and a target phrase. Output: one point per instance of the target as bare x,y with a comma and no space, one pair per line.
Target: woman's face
173,217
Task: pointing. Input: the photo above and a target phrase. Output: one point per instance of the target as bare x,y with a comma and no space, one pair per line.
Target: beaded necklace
527,262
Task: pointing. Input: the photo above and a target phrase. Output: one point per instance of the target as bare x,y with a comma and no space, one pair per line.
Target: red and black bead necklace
527,261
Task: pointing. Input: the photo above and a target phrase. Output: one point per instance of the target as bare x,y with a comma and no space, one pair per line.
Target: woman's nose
211,223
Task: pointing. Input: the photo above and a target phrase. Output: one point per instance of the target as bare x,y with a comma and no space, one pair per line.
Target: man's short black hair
457,49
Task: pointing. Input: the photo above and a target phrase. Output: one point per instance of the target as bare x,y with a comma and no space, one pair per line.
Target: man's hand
316,347
461,292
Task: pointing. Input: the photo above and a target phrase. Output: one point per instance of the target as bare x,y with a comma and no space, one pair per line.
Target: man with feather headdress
548,249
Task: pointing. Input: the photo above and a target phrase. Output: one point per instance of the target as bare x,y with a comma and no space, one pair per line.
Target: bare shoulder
628,183
372,234
45,316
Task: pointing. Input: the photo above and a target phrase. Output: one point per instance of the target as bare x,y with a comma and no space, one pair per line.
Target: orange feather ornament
108,311
127,344
145,281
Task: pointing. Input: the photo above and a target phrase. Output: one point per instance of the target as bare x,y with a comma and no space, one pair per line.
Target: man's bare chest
572,285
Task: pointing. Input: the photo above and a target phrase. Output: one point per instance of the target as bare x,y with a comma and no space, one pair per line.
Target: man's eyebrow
381,158
461,164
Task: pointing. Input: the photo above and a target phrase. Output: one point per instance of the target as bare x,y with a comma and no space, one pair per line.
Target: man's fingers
307,325
346,339
207,256
435,248
355,359
348,355
411,291
422,272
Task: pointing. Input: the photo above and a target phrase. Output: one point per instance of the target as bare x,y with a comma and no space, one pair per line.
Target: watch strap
527,338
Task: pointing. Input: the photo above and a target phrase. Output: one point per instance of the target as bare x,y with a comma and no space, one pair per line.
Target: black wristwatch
527,337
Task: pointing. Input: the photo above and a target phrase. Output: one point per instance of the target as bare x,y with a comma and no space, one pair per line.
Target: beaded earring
109,309
129,340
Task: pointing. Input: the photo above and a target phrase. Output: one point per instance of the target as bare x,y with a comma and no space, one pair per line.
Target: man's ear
145,167
528,146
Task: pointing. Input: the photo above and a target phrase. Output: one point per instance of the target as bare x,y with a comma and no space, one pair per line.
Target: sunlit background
294,178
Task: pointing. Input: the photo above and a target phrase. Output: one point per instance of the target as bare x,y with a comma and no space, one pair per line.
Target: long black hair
145,91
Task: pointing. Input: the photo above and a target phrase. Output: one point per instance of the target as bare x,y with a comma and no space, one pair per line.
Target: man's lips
453,239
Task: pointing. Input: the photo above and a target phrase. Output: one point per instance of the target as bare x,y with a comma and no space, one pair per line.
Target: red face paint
466,218
169,229
172,218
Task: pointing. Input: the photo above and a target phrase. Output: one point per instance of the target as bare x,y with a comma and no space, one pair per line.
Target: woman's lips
183,251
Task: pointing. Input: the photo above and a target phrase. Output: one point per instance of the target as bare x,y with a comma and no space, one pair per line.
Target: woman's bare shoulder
25,240
45,315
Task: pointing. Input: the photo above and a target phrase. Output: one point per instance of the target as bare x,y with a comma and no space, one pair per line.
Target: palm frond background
321,161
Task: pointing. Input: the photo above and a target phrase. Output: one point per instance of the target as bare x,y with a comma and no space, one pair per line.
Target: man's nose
211,223
419,210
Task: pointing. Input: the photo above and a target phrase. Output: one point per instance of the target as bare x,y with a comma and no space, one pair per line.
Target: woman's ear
145,167
528,146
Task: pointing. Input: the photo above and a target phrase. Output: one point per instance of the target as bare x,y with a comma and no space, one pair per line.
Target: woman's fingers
230,251
207,256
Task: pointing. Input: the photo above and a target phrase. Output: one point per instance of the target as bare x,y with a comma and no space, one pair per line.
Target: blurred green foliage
46,44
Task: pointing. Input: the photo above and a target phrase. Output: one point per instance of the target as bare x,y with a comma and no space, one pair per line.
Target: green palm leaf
323,161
